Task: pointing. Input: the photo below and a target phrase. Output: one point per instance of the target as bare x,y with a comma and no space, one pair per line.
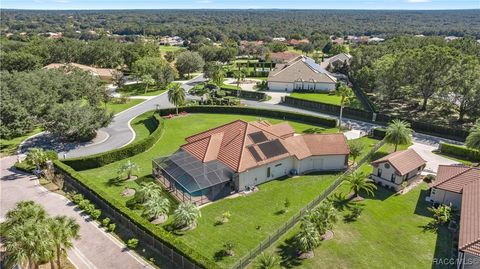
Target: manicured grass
139,90
257,209
389,233
368,143
143,126
260,209
318,97
119,107
9,146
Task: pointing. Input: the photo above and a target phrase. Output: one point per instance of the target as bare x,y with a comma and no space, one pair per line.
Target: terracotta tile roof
455,177
403,161
243,145
342,57
469,236
102,72
285,56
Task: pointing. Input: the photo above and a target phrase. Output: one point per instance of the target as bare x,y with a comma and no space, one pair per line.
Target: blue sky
240,4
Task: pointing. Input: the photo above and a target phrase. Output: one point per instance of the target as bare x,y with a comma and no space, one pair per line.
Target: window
387,166
393,178
379,172
268,172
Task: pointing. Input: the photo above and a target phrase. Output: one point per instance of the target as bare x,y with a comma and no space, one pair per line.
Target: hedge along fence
244,94
101,159
460,151
422,127
379,133
156,237
279,114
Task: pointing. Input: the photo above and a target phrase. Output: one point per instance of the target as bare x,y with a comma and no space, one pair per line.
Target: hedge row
280,114
155,231
379,133
460,151
245,94
101,159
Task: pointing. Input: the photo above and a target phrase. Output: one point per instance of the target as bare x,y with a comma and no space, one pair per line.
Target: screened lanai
189,179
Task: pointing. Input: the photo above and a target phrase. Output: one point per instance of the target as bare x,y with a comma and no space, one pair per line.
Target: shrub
95,214
460,151
101,159
379,133
83,204
77,198
24,167
89,208
429,178
106,222
111,227
132,243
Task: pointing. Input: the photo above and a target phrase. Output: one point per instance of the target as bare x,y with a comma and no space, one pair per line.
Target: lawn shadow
445,248
288,253
314,130
422,205
381,194
340,201
149,123
115,181
219,255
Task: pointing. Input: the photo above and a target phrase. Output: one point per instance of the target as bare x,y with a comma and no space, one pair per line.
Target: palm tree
28,244
346,95
308,238
148,191
24,210
398,133
186,215
323,217
62,230
267,260
356,149
156,207
176,95
148,80
37,157
358,181
128,168
238,75
473,139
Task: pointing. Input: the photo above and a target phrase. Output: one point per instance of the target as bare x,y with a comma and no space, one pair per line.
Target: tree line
219,25
441,75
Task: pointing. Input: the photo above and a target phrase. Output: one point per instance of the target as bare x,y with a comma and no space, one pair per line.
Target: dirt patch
328,235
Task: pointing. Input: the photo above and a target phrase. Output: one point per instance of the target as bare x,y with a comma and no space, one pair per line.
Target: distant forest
219,25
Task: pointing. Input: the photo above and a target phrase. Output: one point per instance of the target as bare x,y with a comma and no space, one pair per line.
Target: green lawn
119,107
388,234
325,98
257,209
9,146
139,90
143,126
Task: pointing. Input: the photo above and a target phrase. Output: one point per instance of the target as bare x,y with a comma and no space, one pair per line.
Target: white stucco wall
446,197
316,163
280,86
387,173
258,175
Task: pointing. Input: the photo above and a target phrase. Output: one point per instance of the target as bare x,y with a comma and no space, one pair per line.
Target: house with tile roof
105,74
459,186
397,167
336,60
240,155
300,74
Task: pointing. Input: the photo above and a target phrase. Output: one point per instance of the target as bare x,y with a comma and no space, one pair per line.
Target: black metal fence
244,261
177,260
418,126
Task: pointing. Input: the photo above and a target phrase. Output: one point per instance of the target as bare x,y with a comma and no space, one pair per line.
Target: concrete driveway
433,160
95,249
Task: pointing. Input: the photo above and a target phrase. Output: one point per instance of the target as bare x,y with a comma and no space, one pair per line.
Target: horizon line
279,9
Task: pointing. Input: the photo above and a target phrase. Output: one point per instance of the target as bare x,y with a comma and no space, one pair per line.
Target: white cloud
63,1
204,2
418,1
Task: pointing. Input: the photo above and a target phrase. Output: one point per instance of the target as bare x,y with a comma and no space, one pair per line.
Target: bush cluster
460,151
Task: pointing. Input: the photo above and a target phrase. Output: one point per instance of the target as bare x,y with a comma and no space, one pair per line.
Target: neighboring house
336,60
459,186
301,74
284,57
171,41
105,74
397,167
295,42
375,40
279,39
240,155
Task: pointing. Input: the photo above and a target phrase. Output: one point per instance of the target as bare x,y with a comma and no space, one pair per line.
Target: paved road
95,249
118,133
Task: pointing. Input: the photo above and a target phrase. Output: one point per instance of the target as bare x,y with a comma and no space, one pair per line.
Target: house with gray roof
301,74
